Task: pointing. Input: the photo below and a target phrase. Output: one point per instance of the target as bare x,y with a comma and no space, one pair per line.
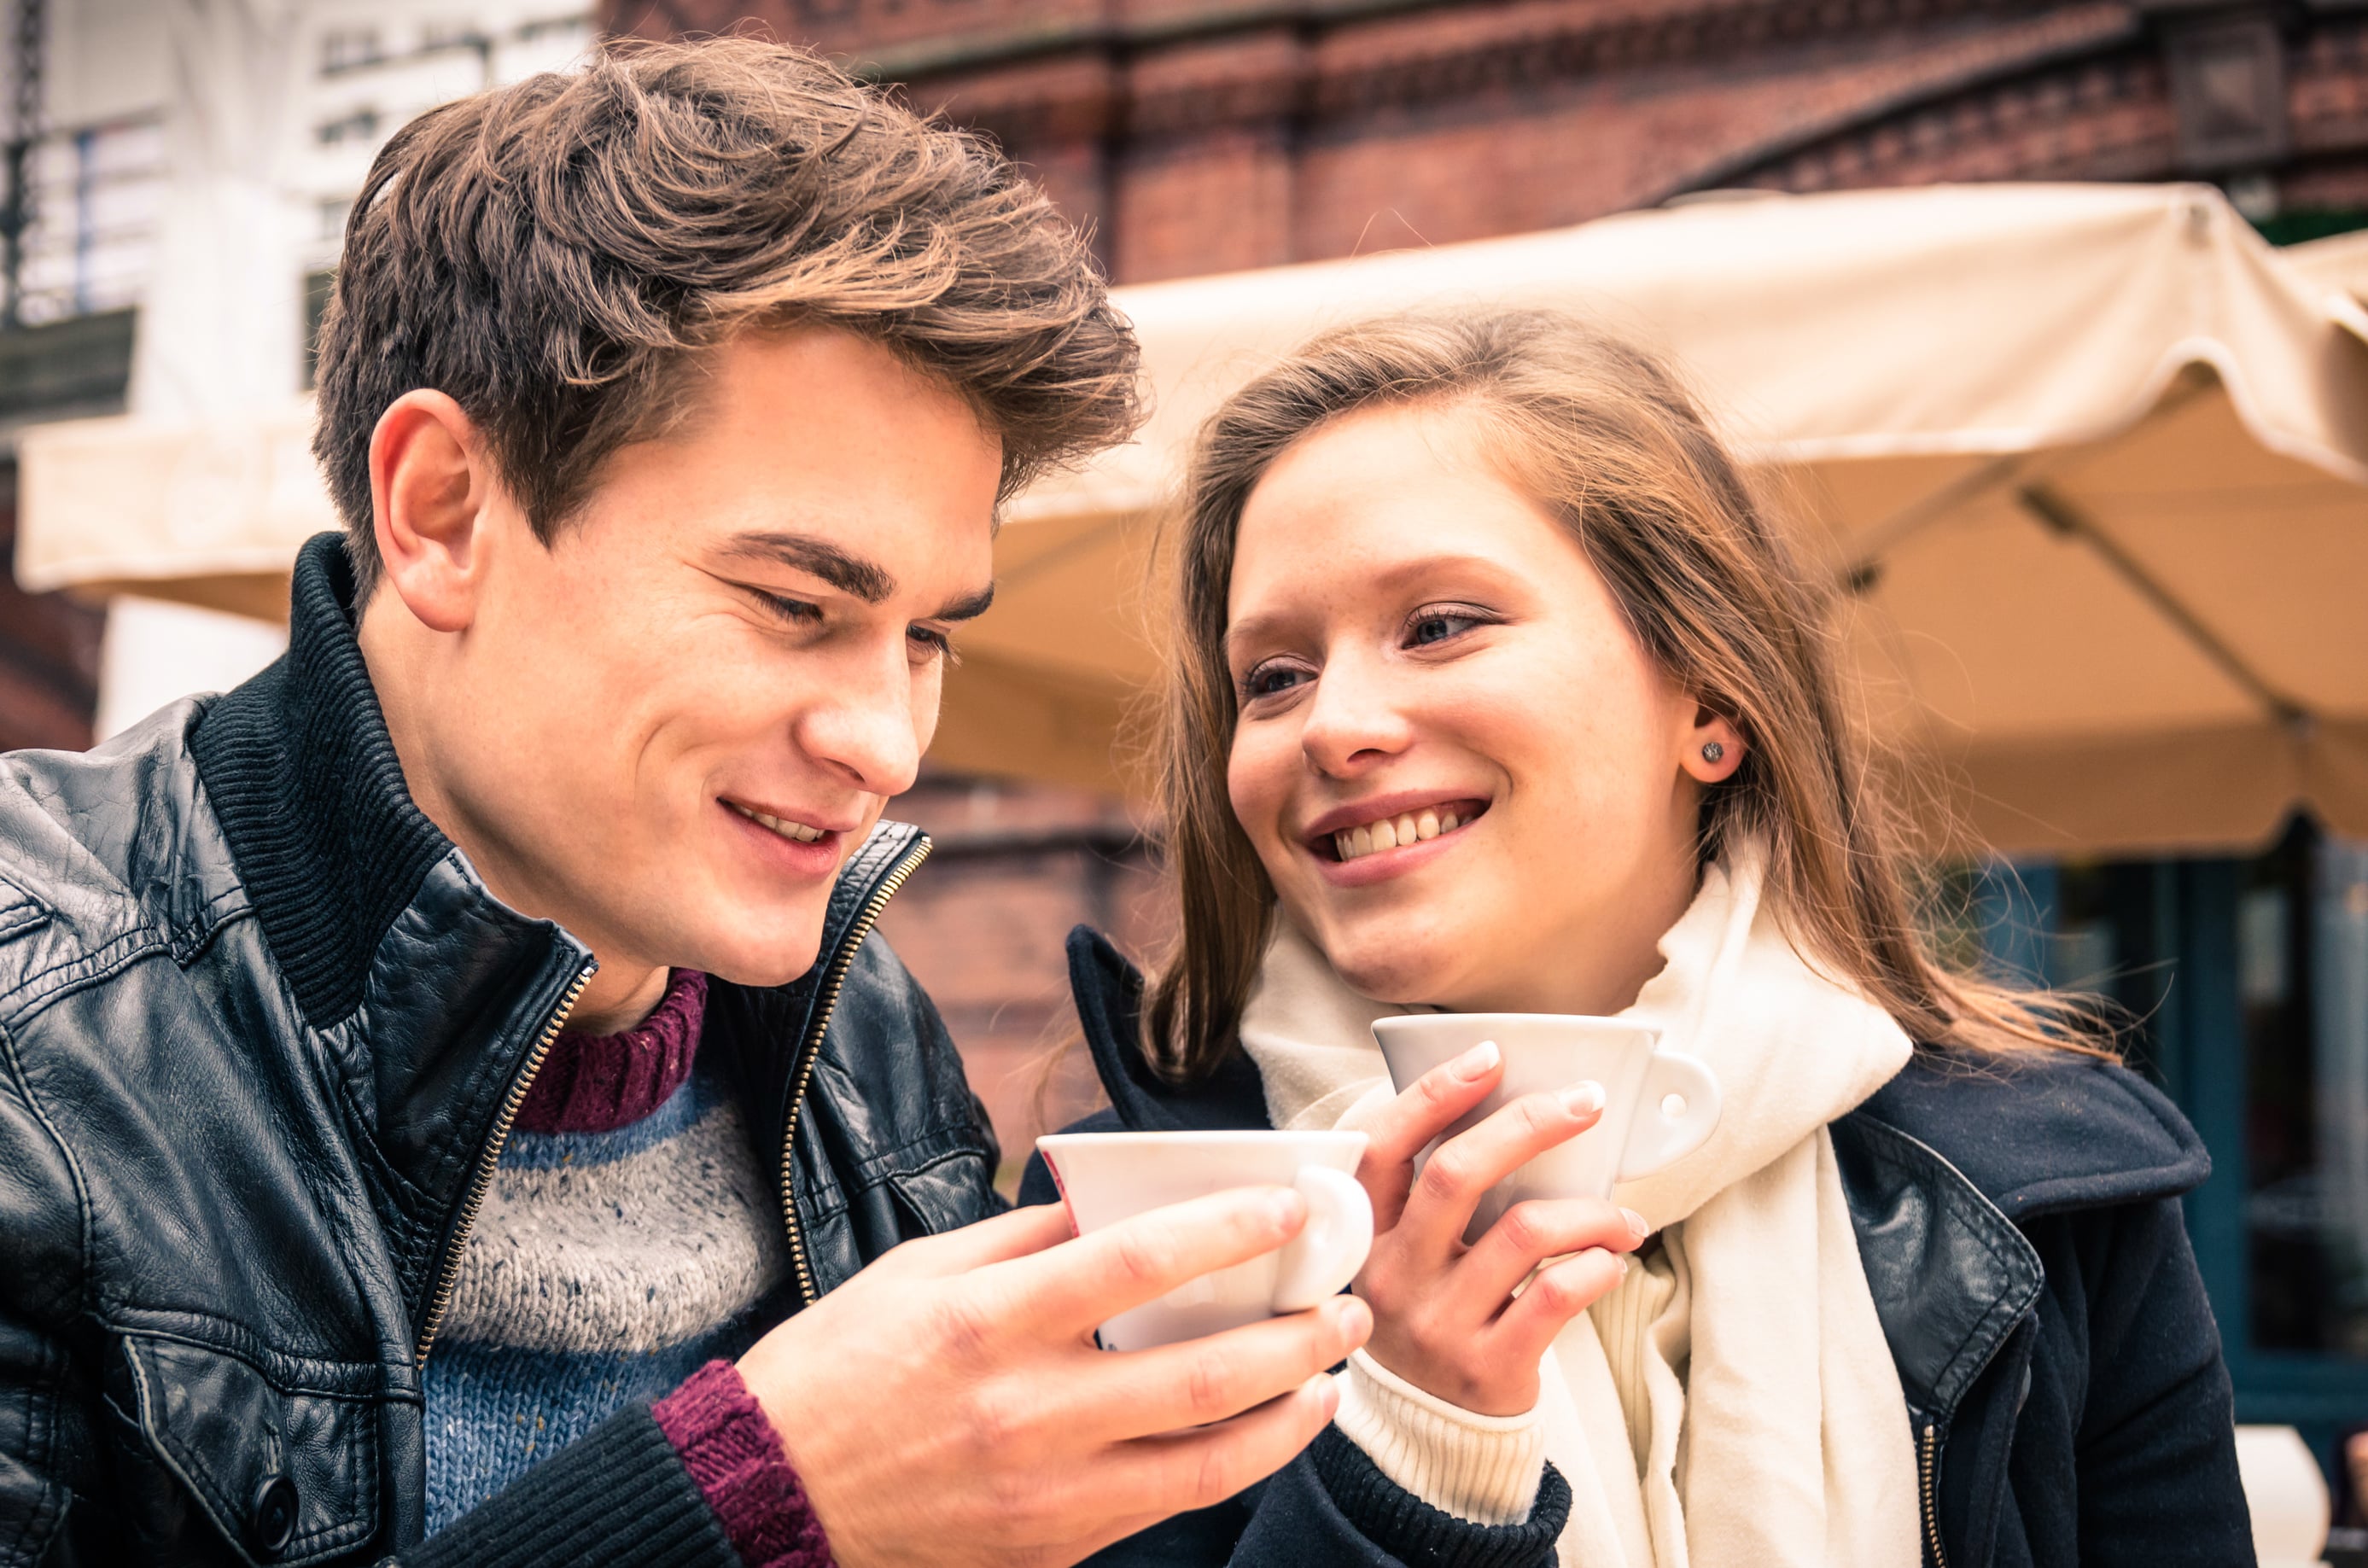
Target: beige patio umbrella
2092,462
2338,262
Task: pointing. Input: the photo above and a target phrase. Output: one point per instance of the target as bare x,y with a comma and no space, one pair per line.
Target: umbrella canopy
2338,262
2091,463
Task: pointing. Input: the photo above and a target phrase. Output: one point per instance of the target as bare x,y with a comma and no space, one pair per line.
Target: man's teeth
797,831
1391,832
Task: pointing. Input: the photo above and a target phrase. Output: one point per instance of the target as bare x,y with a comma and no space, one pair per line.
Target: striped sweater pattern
628,1238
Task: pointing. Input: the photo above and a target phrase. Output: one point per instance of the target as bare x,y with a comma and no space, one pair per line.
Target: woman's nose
1354,720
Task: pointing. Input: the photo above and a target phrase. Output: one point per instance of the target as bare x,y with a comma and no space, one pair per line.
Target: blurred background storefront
1200,137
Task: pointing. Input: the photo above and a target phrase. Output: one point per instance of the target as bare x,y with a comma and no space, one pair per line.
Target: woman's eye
1438,626
1268,679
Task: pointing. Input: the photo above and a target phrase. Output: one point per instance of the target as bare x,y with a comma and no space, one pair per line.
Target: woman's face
1470,785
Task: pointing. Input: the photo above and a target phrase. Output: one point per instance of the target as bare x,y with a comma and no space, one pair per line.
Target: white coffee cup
1108,1176
1657,1105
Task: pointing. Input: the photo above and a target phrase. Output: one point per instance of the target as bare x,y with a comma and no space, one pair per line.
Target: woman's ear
1713,748
428,491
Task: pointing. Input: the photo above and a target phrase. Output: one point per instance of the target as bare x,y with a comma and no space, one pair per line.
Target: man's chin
787,956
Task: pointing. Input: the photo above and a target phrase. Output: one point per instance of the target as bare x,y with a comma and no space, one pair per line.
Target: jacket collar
1109,992
1945,1165
426,992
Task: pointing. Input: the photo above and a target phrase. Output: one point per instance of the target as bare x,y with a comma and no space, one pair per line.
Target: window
360,126
347,48
2302,984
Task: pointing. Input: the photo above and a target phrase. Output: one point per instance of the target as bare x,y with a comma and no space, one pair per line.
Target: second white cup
1108,1176
1657,1105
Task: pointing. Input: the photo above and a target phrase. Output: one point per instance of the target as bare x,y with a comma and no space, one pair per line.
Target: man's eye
933,644
798,613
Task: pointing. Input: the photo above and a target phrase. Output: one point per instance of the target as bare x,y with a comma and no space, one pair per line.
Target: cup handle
1331,1247
1656,1137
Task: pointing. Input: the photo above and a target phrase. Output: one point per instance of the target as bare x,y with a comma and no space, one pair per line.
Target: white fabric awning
208,513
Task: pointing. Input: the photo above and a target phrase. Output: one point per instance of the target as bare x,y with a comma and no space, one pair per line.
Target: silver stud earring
1712,752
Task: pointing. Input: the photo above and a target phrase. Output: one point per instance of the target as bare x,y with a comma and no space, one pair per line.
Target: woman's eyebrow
849,573
1395,576
1252,628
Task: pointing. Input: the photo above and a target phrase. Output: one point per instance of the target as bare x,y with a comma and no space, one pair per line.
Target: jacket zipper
1926,1464
810,1052
441,1300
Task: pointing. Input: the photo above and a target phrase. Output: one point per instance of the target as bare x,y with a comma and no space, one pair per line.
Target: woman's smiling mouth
1379,827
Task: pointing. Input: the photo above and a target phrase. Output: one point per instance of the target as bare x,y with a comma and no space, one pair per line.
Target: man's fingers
1554,1298
1070,1289
1177,1387
1464,1168
1542,1228
1018,1233
1199,1469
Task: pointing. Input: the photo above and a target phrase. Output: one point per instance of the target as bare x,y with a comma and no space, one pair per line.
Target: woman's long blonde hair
1600,434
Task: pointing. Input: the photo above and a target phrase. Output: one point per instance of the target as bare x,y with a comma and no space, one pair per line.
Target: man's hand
1445,1316
948,1406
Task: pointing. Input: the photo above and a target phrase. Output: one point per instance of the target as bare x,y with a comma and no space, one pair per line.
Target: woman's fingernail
1287,1206
1624,1267
1355,1318
1636,1225
1479,1060
1583,1099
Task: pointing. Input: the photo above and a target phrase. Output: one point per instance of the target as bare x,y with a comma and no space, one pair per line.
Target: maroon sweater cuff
737,1461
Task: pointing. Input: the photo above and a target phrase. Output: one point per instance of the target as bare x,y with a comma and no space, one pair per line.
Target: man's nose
863,726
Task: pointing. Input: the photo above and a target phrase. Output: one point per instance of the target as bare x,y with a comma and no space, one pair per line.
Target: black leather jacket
2020,1230
262,1032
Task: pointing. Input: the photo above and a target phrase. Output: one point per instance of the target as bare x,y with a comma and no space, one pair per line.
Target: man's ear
430,480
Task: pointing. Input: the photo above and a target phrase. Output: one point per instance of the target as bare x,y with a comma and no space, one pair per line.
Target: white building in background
193,162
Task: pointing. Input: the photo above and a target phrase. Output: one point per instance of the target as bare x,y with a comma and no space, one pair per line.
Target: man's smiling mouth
796,832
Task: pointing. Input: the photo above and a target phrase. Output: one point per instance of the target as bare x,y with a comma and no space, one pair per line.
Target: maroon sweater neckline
600,1082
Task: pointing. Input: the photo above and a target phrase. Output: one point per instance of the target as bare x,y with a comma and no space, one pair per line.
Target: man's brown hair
554,256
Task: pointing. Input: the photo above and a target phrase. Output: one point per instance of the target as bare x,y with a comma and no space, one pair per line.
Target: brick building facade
1207,135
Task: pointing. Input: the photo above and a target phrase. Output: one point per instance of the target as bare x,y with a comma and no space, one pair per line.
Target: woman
1495,689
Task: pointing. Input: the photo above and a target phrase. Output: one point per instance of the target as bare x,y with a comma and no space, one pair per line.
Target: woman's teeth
1391,832
797,832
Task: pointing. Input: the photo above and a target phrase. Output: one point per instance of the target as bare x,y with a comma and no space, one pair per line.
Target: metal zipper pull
810,1052
1927,1468
439,1300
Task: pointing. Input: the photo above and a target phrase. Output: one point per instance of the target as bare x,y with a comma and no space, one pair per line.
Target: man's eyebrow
847,572
968,607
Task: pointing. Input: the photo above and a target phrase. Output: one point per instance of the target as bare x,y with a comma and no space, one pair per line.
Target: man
428,1069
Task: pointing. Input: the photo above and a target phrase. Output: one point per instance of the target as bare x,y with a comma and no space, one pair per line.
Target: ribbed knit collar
599,1083
422,986
300,770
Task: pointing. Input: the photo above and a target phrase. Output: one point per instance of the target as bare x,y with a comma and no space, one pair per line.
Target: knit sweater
627,1249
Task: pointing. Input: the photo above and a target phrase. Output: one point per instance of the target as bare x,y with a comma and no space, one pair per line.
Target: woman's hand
1445,1317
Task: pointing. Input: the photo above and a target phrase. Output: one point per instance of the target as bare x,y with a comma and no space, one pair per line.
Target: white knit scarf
1775,1432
